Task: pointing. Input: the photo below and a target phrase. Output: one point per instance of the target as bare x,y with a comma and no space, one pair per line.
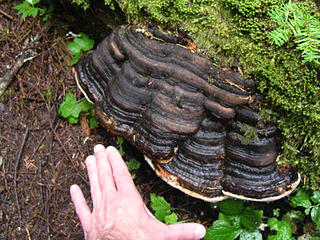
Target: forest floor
41,154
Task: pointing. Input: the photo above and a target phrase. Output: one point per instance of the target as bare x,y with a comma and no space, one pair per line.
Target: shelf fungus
197,125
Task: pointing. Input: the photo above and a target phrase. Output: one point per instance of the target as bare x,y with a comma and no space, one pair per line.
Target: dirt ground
41,154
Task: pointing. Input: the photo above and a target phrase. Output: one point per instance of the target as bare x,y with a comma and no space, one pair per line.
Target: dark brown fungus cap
187,116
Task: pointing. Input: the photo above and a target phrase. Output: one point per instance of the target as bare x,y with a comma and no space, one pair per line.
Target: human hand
119,212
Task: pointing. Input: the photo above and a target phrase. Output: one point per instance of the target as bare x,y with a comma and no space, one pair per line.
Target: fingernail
90,159
200,232
98,147
111,149
73,188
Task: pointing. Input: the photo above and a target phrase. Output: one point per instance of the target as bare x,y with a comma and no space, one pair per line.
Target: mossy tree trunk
235,33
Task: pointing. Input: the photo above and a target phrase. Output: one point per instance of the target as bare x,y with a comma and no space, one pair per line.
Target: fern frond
280,36
308,42
277,16
294,21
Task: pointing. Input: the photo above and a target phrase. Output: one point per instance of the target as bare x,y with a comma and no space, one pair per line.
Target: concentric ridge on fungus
186,115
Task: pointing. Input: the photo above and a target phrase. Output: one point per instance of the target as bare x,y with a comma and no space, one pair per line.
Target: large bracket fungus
186,116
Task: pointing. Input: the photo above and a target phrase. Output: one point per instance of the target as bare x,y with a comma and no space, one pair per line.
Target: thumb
185,231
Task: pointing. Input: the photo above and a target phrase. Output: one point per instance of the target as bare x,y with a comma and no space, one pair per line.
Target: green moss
236,31
83,3
249,134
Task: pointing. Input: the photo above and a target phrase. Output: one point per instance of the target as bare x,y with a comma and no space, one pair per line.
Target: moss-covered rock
235,32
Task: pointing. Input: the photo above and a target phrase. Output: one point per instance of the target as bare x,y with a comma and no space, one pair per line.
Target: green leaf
293,215
119,140
315,216
133,164
75,59
222,230
84,44
93,122
307,210
34,12
231,206
26,13
70,108
279,36
160,206
315,197
295,22
283,230
171,219
74,48
47,13
245,235
84,36
314,238
301,199
21,7
251,219
27,9
72,119
233,220
86,105
276,212
78,46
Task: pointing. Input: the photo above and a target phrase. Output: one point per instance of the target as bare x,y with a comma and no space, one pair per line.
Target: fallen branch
26,55
6,14
5,81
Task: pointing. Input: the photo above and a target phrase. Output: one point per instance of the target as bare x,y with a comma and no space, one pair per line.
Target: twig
43,202
5,138
5,81
28,233
6,14
67,153
16,170
26,55
46,212
59,140
48,191
36,148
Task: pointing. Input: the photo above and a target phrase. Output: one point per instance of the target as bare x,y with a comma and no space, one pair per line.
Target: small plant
295,22
48,93
249,134
119,142
235,220
133,165
282,228
311,204
78,46
71,109
30,8
162,209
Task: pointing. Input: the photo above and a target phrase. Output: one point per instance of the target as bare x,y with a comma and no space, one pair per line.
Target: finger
149,213
120,171
80,204
185,231
105,177
93,178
